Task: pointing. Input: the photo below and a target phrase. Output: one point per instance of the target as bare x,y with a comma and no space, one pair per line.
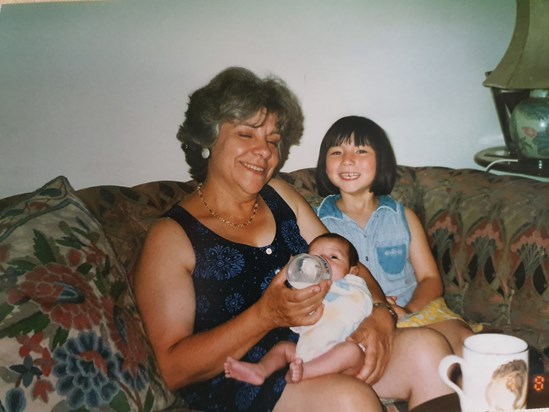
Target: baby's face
336,254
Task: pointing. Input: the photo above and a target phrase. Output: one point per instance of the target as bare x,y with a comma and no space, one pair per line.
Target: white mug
494,371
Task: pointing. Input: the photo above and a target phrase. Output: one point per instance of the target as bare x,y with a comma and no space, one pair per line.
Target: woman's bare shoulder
287,191
163,227
309,224
166,244
278,183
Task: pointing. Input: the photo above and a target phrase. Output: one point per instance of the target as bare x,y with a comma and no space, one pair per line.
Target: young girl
356,170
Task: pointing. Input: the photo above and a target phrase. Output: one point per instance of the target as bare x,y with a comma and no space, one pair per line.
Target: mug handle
443,367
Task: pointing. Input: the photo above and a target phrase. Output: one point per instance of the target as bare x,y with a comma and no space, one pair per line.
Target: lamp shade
525,65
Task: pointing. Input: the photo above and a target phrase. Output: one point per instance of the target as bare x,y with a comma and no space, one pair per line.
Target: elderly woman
211,279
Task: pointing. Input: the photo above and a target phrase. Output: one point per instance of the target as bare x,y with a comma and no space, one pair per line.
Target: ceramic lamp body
529,127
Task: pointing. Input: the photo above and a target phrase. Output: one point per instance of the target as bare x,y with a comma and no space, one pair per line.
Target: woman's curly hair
236,94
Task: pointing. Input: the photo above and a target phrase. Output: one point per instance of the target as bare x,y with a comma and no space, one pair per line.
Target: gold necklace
223,220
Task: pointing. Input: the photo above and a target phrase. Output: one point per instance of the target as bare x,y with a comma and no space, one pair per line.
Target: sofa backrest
126,213
489,234
475,217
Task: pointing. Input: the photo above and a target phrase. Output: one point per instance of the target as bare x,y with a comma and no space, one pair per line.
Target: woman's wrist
265,318
386,306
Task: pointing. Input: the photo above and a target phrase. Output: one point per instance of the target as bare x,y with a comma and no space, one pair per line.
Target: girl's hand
282,307
399,310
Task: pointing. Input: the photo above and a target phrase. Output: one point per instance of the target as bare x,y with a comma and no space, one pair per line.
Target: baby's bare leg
255,373
345,357
295,374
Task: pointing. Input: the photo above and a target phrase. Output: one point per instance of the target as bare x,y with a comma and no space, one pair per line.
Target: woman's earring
205,153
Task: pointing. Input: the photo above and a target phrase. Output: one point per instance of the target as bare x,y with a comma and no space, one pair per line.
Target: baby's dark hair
353,254
361,131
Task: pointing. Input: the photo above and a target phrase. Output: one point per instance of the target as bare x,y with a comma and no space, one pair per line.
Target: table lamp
520,85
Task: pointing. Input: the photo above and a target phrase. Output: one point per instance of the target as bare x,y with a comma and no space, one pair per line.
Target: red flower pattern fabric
70,334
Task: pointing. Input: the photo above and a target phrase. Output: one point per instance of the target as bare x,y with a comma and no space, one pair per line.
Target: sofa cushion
126,213
70,334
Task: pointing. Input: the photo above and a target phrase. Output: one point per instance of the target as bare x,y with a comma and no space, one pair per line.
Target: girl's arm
429,282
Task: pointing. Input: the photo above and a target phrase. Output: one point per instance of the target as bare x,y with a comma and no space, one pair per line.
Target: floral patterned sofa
70,333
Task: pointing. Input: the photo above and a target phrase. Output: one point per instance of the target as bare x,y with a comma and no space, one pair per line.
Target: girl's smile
350,164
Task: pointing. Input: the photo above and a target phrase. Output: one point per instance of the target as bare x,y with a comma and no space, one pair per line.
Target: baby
322,348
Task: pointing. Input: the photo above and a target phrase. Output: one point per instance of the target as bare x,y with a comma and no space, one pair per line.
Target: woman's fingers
293,307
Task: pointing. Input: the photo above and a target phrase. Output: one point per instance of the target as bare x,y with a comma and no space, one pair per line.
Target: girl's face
247,153
351,168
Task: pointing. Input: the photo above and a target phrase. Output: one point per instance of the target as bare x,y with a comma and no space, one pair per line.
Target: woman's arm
375,333
429,282
166,299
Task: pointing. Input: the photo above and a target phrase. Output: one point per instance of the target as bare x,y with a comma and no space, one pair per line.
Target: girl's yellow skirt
434,312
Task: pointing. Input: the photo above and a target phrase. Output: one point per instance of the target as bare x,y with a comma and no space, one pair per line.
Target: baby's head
338,252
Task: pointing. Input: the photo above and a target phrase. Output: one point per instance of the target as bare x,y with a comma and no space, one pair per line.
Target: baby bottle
306,270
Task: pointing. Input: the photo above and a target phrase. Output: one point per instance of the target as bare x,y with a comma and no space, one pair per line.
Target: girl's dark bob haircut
361,132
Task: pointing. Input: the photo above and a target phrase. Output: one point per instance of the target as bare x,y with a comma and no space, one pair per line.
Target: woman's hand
284,307
375,335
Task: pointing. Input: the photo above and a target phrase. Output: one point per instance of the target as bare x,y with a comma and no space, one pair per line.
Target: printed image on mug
508,386
494,370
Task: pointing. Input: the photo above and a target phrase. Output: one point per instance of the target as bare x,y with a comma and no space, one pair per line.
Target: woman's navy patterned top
228,278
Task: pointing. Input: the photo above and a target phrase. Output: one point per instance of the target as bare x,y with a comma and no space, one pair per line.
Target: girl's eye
334,153
334,257
361,151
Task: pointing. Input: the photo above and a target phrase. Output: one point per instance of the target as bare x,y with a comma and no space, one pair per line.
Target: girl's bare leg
455,331
329,393
255,373
412,371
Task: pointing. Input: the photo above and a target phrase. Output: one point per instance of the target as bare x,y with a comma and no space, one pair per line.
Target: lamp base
529,127
500,158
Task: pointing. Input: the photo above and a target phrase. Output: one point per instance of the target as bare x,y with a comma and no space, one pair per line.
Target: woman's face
246,153
351,168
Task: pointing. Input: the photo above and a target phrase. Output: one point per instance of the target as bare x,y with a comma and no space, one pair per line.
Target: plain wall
96,91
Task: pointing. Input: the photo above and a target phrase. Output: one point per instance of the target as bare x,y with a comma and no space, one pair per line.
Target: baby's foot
296,370
244,371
